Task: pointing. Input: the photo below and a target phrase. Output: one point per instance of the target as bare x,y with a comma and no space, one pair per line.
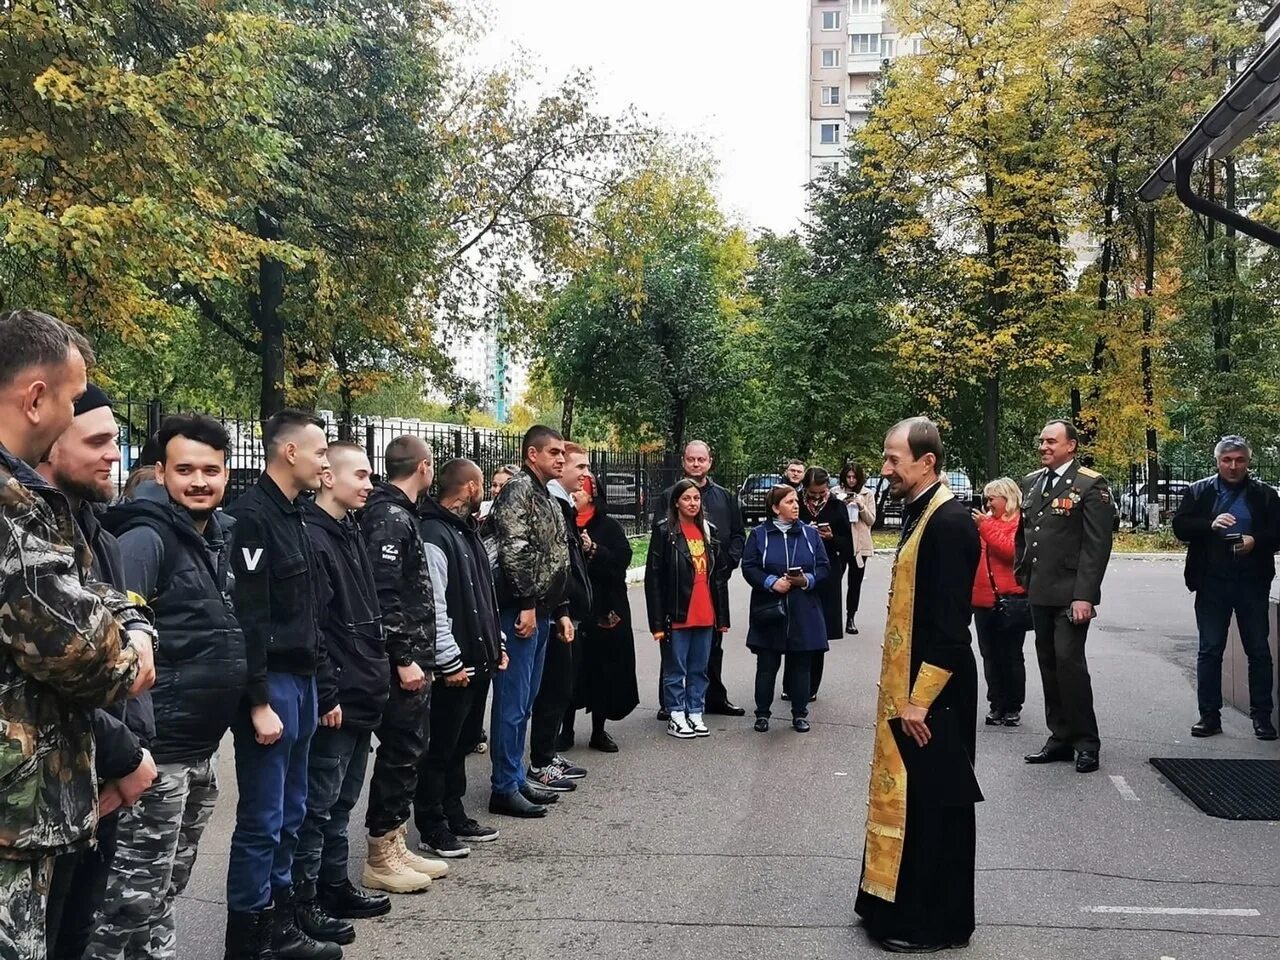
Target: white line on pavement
1178,911
1122,785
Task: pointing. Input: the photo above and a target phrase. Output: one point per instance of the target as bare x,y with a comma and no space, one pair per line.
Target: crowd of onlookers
324,609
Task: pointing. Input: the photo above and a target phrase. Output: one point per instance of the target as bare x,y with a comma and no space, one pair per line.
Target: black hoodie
355,675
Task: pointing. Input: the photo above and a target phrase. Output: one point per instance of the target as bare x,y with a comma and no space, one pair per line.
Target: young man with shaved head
352,687
275,602
69,645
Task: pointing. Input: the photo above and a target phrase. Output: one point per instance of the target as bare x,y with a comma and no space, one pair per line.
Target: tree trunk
1148,372
991,384
991,425
1088,425
264,308
679,418
566,418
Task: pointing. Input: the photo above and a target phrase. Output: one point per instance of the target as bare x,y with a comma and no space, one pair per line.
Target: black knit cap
93,399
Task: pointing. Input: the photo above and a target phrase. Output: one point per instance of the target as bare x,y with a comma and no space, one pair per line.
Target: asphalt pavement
749,845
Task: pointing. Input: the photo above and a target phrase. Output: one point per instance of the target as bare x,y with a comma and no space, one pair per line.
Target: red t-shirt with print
702,611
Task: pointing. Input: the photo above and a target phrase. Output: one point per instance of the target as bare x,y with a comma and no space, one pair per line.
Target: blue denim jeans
1216,600
273,794
684,676
514,690
335,780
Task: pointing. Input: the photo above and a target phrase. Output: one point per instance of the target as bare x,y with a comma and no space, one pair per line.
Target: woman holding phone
860,505
785,562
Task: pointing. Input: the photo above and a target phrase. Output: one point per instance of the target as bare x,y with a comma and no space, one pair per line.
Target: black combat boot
239,942
288,941
315,921
346,901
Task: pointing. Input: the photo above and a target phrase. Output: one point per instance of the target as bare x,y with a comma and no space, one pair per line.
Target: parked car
627,494
753,493
888,510
1169,493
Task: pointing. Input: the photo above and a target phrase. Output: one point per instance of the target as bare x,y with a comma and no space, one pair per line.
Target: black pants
402,740
817,661
442,772
1002,662
717,695
854,595
555,695
1068,691
795,681
78,887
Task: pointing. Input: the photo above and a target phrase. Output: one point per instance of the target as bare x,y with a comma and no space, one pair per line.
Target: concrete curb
1157,557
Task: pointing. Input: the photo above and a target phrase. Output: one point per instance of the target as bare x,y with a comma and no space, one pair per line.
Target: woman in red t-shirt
687,600
1000,645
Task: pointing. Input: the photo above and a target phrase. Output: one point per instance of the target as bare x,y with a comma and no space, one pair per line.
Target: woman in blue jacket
784,561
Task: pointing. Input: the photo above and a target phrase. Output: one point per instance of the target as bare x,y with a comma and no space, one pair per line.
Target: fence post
457,443
370,440
154,415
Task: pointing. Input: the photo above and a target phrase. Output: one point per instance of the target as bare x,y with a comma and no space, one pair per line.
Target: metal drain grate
1230,789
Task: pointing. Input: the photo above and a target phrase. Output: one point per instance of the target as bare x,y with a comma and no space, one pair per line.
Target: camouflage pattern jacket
533,552
63,652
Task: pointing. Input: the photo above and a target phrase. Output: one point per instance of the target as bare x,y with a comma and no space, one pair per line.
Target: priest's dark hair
923,437
815,477
673,511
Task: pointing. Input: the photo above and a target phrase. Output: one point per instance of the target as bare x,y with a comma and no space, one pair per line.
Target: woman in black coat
606,669
829,516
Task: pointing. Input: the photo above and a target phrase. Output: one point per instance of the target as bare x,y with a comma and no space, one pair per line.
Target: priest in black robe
916,889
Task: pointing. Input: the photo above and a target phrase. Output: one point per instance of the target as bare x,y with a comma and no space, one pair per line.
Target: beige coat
862,545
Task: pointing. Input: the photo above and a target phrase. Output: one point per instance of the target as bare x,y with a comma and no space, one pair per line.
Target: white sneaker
699,728
678,726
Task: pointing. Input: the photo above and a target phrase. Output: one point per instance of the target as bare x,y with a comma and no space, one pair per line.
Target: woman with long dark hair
860,505
606,669
785,562
688,601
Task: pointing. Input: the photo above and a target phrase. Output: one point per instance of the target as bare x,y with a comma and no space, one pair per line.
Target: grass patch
639,550
1126,541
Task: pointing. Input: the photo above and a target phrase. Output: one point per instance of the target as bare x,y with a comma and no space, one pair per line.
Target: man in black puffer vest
80,464
352,689
174,545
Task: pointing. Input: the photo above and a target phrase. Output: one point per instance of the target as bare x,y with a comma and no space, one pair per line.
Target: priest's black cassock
918,867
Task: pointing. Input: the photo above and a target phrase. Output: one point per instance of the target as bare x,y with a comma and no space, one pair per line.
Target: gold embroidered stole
887,792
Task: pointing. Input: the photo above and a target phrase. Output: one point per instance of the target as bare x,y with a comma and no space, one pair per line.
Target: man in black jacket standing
723,509
275,602
176,553
410,627
1231,525
80,464
463,583
351,688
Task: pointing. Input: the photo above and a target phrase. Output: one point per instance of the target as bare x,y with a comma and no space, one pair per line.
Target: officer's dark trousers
76,892
1068,691
442,772
402,740
555,693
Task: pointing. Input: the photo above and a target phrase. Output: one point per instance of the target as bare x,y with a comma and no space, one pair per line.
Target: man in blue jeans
533,567
275,602
1231,525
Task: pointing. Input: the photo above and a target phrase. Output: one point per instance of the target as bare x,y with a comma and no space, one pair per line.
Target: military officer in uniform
1063,547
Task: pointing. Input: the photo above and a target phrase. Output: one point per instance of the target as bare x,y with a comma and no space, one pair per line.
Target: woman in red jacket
1000,645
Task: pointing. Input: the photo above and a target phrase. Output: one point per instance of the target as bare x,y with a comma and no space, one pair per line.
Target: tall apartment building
480,357
850,41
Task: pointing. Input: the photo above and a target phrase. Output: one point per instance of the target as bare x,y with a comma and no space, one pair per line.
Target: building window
830,133
865,6
831,57
830,19
830,96
887,48
917,46
864,44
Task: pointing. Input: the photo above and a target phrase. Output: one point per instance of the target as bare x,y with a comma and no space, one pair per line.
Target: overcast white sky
732,72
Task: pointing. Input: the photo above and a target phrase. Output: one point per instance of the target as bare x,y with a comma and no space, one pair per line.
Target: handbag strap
986,555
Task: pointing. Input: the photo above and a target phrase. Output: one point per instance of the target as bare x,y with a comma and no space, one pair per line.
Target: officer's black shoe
1263,730
515,805
1086,761
316,922
288,941
1050,754
1207,725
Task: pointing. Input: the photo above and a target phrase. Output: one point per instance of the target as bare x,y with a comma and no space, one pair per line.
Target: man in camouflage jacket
67,645
533,572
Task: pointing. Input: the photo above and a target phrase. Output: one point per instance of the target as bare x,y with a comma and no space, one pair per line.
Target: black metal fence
1142,496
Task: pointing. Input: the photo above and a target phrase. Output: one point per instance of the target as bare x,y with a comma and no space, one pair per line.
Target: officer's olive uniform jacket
1064,541
63,652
